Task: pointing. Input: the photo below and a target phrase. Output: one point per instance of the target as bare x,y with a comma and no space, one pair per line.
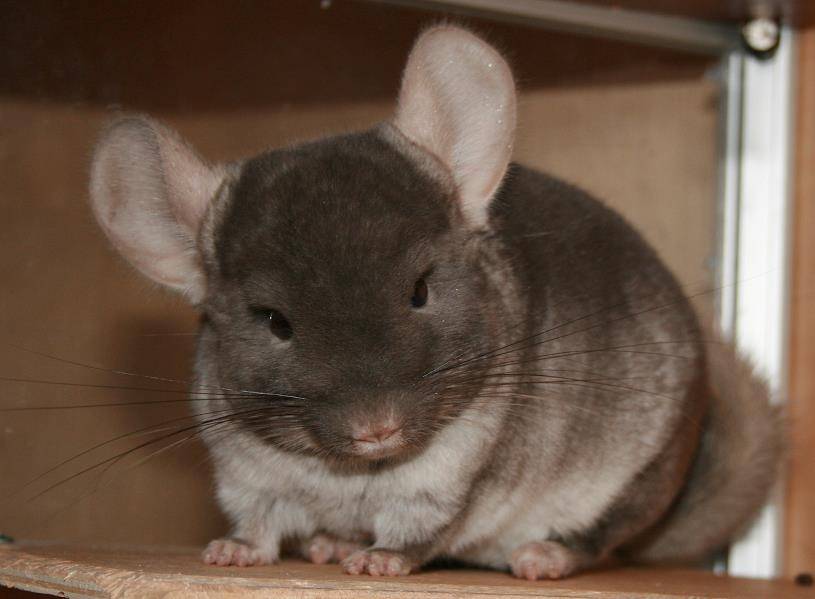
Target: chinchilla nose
375,432
376,426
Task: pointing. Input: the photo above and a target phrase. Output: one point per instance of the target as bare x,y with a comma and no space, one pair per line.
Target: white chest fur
405,504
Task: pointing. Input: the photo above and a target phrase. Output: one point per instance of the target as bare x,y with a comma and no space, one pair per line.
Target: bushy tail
735,468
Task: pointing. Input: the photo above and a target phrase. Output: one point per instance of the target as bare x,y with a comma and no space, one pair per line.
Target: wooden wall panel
800,498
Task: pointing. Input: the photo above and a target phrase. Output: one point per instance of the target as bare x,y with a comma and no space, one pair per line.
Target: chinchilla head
336,275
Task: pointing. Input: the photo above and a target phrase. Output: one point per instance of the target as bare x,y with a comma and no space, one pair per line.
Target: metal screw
761,35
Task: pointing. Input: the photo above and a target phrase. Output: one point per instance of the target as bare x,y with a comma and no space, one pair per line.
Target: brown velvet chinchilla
413,349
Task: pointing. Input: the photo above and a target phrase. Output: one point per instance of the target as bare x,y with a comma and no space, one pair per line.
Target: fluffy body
545,465
548,401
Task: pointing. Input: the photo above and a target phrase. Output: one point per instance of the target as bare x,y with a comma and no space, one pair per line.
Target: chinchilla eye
277,323
280,326
419,297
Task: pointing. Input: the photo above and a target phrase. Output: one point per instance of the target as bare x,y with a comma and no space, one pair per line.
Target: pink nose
376,434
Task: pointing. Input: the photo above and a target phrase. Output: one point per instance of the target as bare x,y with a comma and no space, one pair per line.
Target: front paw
233,552
325,549
378,562
548,559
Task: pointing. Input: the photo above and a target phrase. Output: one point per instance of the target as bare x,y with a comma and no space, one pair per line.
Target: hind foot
234,552
326,549
534,561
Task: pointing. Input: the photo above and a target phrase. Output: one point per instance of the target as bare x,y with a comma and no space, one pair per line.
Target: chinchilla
412,348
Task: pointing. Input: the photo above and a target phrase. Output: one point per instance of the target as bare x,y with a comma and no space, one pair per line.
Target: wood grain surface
146,573
800,495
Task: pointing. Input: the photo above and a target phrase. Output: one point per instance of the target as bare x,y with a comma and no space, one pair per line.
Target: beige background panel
635,126
647,149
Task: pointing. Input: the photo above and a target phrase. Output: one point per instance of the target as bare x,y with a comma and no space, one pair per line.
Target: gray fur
552,397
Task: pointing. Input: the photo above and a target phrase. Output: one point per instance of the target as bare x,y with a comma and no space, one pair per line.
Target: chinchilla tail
736,466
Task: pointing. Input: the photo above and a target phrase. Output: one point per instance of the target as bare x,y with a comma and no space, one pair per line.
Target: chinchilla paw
234,552
326,549
534,561
378,562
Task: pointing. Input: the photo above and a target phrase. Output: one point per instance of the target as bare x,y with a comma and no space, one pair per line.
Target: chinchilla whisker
492,372
599,410
523,379
567,354
542,380
167,335
201,429
521,323
505,398
92,367
576,352
502,399
552,397
298,443
619,349
699,341
156,428
214,393
194,397
473,421
138,375
143,431
494,352
506,351
486,375
443,364
198,428
596,384
514,387
151,455
110,464
111,459
265,433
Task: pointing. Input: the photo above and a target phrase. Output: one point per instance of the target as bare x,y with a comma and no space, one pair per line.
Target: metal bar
730,191
762,270
628,25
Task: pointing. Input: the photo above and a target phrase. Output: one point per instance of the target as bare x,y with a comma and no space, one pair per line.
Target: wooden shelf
147,573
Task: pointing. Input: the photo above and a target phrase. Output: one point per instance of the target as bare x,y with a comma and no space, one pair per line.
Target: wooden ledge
148,573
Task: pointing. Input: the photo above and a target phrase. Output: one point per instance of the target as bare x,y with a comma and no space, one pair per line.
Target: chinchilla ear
458,101
150,191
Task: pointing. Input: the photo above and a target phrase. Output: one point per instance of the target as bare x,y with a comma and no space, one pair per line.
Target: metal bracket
761,36
682,33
